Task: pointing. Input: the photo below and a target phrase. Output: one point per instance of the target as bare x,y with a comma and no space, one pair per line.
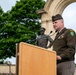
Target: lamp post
9,64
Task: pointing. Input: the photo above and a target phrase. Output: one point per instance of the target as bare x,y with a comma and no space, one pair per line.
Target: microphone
56,30
53,33
50,32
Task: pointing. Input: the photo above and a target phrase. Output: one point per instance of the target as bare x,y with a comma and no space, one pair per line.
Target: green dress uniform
64,45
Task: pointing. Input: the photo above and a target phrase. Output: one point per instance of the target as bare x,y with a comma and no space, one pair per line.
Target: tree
19,24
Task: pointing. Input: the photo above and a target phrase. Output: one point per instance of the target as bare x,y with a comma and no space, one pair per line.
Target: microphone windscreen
51,32
56,31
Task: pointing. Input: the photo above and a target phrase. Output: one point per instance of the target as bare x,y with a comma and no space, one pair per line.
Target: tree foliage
18,25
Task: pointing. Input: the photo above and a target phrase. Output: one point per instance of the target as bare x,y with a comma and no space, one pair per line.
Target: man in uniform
64,45
43,39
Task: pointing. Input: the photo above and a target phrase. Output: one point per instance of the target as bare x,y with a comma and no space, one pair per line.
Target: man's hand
58,57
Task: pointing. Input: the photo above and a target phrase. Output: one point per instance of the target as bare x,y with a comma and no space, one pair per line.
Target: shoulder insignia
72,32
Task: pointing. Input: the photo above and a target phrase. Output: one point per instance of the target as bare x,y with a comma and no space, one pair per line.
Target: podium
34,60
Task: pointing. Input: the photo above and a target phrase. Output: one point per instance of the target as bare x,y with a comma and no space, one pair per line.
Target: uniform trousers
66,68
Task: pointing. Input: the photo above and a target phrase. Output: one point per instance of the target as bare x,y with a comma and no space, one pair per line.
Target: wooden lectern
34,60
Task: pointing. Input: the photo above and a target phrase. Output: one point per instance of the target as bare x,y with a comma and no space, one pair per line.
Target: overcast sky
7,4
69,15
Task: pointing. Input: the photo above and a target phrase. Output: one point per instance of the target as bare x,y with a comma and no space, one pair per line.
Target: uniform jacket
64,45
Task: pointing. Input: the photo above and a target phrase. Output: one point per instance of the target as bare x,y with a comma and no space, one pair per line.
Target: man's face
58,24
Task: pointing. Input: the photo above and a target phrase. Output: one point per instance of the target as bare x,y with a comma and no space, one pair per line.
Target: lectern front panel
34,60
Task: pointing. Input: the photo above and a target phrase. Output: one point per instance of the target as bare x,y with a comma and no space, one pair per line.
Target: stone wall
7,68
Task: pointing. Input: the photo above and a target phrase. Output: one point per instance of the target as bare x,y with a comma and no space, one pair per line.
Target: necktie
57,35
